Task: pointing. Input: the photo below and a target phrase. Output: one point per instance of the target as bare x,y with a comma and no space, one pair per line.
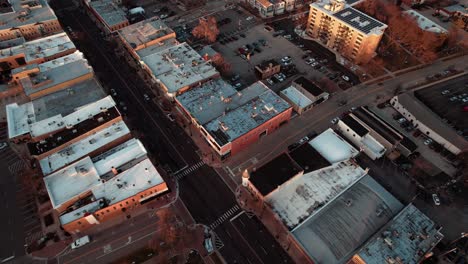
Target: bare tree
221,65
207,28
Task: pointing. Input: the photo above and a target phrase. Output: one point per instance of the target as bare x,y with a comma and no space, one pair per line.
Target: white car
3,145
163,16
147,98
335,120
344,77
249,18
270,81
286,59
314,64
80,242
170,117
436,199
428,142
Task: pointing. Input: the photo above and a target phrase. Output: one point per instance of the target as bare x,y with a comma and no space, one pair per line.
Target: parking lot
20,221
448,101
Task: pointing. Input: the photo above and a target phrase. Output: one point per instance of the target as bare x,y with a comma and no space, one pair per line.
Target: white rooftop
18,118
138,178
51,77
425,23
45,66
71,181
25,13
178,66
57,122
373,145
296,97
80,212
244,111
332,147
84,147
301,197
108,11
118,156
145,31
41,48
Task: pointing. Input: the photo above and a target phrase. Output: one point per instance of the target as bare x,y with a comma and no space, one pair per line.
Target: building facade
345,30
267,69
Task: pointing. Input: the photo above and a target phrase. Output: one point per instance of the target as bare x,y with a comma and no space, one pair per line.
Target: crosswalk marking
189,170
16,167
225,216
218,242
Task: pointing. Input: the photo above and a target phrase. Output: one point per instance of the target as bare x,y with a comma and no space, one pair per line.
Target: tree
207,28
221,65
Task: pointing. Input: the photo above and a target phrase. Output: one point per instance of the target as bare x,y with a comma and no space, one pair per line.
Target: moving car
147,98
170,117
436,199
80,242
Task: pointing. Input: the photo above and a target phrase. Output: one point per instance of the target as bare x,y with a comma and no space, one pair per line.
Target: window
108,210
79,222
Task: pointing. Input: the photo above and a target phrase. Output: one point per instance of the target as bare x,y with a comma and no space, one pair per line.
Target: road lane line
247,243
239,214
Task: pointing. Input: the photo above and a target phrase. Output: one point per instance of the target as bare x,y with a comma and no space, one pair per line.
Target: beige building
340,27
26,20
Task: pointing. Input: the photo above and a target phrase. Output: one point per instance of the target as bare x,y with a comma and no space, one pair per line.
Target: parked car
270,81
286,59
428,141
147,98
163,16
335,120
436,199
80,242
238,85
344,77
402,120
445,92
249,18
3,145
113,92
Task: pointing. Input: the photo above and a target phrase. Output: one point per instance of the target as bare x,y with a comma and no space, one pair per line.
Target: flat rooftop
381,127
354,125
303,196
40,48
296,97
26,13
109,12
273,174
308,86
407,237
145,31
449,111
84,147
162,45
424,115
58,62
58,122
71,181
267,64
179,66
51,77
334,233
360,21
425,23
308,158
372,144
238,118
12,42
21,117
333,147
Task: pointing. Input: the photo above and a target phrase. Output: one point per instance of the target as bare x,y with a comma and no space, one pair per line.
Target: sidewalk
252,204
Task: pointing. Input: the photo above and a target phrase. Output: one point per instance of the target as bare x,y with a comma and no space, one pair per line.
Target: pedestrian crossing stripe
218,242
189,170
17,167
225,216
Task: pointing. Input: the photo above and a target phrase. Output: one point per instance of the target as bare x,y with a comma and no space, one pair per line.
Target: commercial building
93,144
59,132
36,51
270,8
355,132
107,14
267,69
93,190
425,23
421,117
303,95
408,238
330,206
64,102
385,134
344,29
37,80
177,69
231,120
26,20
146,33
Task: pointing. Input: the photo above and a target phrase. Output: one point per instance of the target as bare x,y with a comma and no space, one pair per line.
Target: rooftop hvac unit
100,119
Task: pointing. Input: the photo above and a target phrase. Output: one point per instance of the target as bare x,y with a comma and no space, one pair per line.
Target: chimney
114,171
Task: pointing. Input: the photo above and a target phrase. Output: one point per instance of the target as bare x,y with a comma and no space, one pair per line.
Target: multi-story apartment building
270,8
26,20
347,31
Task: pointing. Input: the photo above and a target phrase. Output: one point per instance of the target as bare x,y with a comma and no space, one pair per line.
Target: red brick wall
253,135
114,210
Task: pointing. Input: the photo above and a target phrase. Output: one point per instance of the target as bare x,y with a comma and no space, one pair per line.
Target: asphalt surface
19,222
203,192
